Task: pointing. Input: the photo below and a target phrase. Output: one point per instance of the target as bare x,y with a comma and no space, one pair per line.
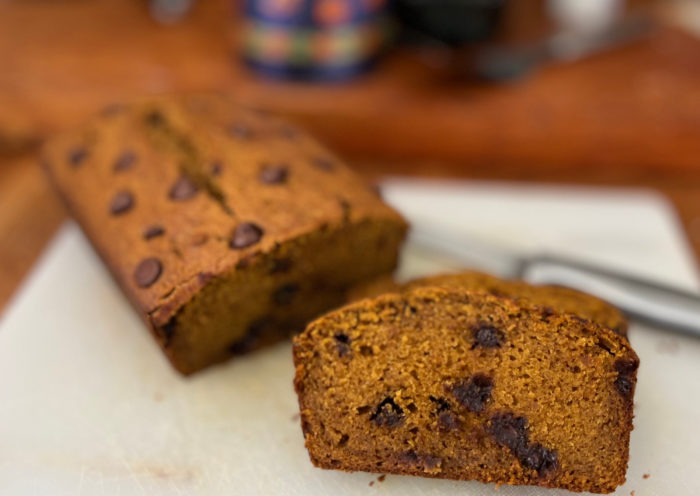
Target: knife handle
646,301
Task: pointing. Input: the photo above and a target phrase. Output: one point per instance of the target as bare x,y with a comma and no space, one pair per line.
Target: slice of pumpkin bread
464,385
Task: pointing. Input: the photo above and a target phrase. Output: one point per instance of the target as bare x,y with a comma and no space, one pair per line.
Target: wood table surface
630,117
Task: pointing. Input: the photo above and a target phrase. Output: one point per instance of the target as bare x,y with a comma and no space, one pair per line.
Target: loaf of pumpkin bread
226,228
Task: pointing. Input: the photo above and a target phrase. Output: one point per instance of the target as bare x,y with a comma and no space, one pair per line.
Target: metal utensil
646,301
499,63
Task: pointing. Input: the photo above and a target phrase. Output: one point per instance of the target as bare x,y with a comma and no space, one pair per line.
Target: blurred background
598,92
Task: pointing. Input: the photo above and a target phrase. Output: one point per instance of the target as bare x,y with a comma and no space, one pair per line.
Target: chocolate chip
423,462
285,294
154,118
323,163
245,235
183,189
124,161
121,203
77,156
153,232
342,344
624,385
486,336
447,421
539,458
239,131
273,174
474,393
626,366
387,414
624,382
147,272
216,168
512,432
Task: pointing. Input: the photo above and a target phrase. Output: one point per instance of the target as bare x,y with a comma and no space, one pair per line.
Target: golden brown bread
464,385
218,221
558,298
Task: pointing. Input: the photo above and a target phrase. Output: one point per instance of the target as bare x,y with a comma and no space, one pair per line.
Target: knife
502,63
640,299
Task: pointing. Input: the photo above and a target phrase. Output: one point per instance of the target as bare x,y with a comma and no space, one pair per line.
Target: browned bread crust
217,221
558,298
464,385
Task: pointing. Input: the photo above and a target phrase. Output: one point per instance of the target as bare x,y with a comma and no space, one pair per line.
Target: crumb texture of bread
557,298
225,227
450,383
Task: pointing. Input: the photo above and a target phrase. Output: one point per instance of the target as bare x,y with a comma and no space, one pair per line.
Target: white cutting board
89,406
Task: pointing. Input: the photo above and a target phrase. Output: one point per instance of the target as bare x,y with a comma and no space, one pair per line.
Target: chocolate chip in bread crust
486,336
147,272
77,156
153,232
539,458
448,421
474,393
245,235
124,161
512,432
624,382
342,344
387,414
183,189
423,462
273,174
121,203
509,430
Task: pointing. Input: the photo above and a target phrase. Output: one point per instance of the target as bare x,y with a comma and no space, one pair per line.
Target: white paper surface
88,405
